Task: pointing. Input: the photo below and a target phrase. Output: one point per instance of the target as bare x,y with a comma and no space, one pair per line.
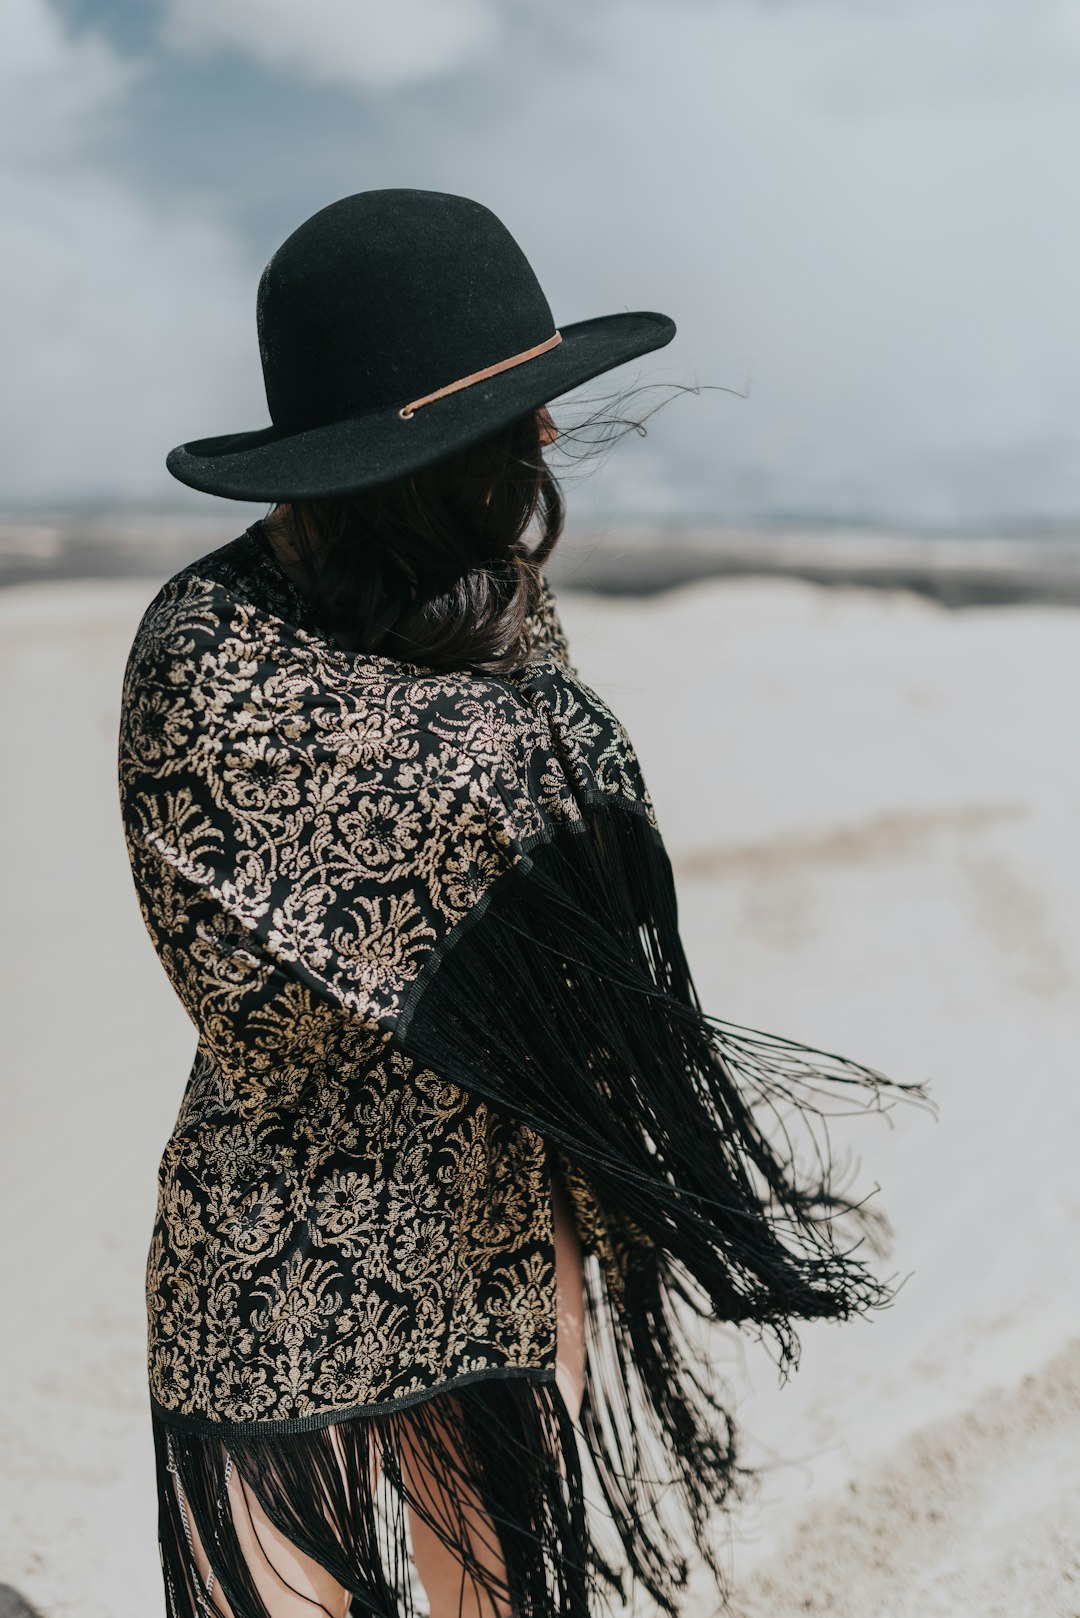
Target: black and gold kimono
425,927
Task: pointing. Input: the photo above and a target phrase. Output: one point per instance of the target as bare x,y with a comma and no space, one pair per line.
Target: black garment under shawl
426,928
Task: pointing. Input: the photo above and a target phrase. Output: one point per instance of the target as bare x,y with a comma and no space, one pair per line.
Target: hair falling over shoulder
436,568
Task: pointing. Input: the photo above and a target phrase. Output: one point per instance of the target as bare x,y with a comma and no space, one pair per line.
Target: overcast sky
863,216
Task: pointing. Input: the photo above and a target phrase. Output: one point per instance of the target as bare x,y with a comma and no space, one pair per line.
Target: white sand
872,805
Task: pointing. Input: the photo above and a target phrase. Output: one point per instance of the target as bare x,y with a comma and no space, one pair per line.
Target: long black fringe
580,1513
510,1481
583,1513
567,1001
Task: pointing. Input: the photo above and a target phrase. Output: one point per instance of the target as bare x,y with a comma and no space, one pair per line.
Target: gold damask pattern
337,1226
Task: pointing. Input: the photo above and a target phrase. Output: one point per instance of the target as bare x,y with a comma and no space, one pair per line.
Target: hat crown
387,295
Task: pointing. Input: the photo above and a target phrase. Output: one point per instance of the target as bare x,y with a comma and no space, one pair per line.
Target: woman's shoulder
232,601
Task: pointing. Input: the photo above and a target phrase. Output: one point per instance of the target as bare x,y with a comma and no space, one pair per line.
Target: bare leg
570,1308
290,1583
451,1593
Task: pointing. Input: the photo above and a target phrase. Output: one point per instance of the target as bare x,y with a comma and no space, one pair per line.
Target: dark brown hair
435,568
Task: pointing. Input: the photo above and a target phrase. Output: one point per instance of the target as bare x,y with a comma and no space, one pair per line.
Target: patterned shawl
425,926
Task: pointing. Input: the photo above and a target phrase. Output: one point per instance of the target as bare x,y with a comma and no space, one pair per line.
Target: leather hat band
408,410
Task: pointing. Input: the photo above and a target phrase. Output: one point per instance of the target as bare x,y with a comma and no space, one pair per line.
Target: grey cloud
364,43
863,217
102,291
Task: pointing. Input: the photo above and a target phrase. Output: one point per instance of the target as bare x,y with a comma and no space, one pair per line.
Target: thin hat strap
407,411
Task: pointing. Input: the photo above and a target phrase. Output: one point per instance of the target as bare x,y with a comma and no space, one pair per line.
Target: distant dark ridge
42,548
953,570
957,571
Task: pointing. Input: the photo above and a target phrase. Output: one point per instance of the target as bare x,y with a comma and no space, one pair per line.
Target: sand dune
975,1513
872,807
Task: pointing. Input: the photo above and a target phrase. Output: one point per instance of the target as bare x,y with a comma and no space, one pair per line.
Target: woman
461,1164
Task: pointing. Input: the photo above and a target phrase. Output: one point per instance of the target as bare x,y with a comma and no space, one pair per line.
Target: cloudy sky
864,217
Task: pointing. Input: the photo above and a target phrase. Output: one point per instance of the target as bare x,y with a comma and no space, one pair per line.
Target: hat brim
347,456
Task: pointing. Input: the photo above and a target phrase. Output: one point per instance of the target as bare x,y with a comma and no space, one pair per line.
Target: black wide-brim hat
397,327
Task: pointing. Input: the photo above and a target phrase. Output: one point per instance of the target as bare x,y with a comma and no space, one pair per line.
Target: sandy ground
872,804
